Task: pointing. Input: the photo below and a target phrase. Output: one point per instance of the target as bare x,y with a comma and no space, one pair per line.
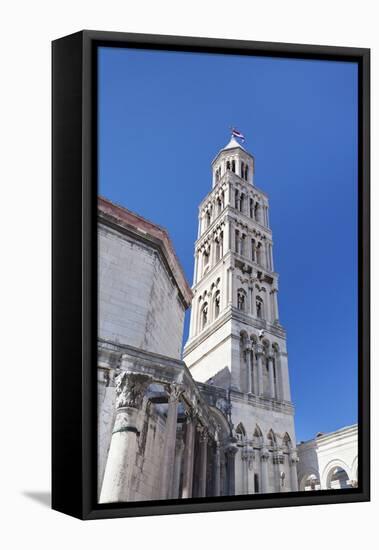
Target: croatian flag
238,134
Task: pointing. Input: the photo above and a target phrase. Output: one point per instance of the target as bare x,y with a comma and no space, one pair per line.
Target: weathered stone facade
329,461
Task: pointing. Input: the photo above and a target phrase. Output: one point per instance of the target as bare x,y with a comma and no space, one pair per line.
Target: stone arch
241,299
310,480
258,435
216,304
287,441
271,438
330,470
354,469
219,414
204,315
241,432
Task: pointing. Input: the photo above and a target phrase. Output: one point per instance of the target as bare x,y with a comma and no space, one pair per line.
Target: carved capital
232,450
294,459
265,455
259,349
204,435
174,390
130,389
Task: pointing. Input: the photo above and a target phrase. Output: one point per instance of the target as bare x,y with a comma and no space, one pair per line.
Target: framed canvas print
210,275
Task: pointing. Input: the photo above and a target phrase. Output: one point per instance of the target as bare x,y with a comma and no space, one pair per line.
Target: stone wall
139,304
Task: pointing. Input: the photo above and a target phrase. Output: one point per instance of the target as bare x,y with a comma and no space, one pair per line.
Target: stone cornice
232,313
261,402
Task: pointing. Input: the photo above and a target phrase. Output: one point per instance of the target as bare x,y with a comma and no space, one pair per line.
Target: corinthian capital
264,455
294,458
174,390
130,389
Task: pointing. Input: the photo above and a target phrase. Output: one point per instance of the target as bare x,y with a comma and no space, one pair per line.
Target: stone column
282,376
189,456
271,376
195,268
278,460
179,448
249,371
230,285
272,258
217,472
226,240
118,477
168,460
203,463
231,453
248,459
293,471
264,470
260,354
275,310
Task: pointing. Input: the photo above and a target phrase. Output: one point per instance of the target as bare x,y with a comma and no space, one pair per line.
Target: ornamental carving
175,390
130,389
294,458
265,455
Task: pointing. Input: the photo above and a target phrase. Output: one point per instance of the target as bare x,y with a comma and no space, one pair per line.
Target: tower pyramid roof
232,144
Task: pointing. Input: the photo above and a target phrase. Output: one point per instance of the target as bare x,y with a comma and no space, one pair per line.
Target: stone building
218,421
329,461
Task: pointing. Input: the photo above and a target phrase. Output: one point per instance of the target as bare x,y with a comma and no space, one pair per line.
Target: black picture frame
74,313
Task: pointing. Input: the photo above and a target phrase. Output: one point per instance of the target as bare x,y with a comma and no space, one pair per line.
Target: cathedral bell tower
236,341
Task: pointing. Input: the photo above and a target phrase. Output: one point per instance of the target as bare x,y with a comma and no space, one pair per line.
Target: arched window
228,164
338,479
233,166
205,260
253,256
287,443
218,249
204,315
241,299
258,436
241,432
217,304
243,239
242,203
259,307
236,241
251,208
236,199
310,483
242,170
219,206
208,215
246,172
257,212
271,439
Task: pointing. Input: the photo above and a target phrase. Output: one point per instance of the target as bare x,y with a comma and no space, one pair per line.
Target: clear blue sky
163,116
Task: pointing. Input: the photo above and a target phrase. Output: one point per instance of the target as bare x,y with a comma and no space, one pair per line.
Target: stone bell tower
236,340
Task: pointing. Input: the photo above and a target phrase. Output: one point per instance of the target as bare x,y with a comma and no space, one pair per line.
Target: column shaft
203,464
188,459
169,449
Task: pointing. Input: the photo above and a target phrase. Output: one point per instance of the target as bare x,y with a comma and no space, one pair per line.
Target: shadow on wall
221,379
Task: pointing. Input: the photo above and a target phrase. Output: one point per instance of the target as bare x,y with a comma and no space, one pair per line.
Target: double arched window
204,315
217,304
241,299
259,307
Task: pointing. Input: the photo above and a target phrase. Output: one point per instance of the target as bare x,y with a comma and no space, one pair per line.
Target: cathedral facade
218,420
